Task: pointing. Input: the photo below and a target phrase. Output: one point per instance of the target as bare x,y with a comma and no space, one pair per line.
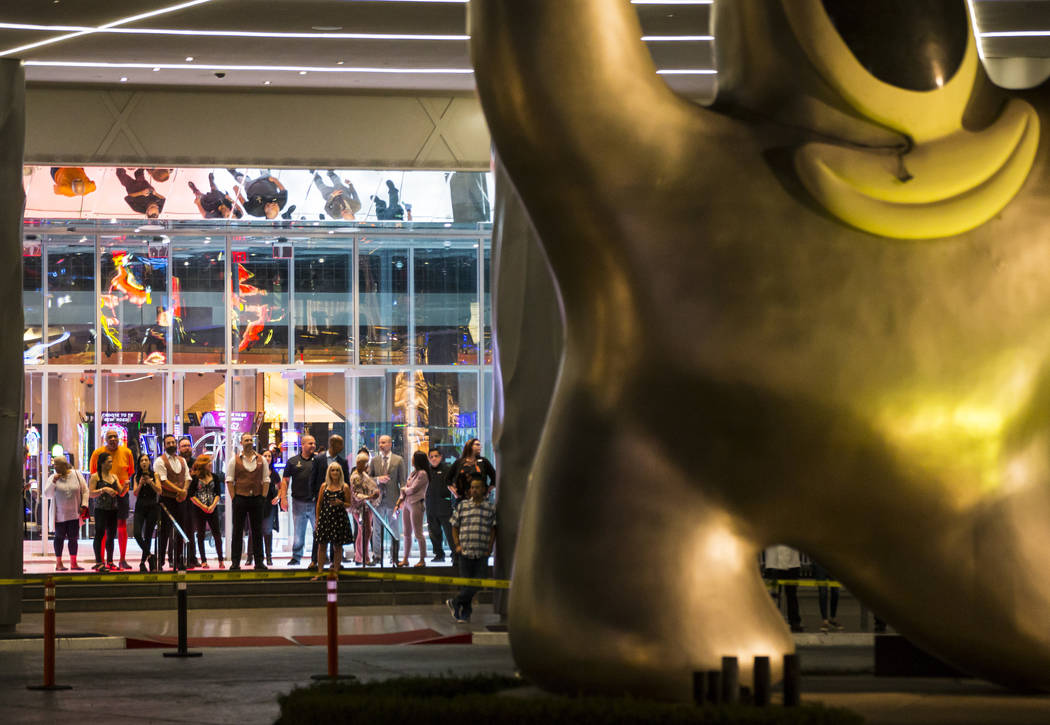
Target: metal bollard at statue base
183,649
332,589
730,680
762,681
49,641
792,680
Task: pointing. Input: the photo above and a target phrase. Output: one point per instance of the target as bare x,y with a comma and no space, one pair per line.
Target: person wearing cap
124,469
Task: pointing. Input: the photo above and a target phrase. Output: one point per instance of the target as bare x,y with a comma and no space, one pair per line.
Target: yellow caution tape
803,583
220,576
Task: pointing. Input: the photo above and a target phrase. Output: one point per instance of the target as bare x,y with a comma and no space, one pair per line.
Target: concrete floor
241,685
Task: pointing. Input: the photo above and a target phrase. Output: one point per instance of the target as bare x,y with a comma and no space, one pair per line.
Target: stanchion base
183,654
49,687
330,678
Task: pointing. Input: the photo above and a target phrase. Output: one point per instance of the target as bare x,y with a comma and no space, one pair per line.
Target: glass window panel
448,318
323,304
488,380
383,306
71,300
320,407
447,405
34,468
204,411
381,403
132,403
33,345
199,320
487,303
133,310
71,416
259,309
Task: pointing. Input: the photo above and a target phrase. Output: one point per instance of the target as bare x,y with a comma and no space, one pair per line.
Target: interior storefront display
280,329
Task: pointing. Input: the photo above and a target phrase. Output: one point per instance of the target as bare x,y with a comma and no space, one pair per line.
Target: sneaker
825,626
204,565
835,625
294,562
438,559
453,609
261,567
235,567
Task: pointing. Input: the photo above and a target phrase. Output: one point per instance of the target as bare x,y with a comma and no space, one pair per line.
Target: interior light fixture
106,26
123,79
302,72
189,58
217,67
687,72
1015,34
84,29
266,83
677,38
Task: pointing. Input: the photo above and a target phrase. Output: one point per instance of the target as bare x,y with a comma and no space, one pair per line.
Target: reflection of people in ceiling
159,175
217,204
142,197
341,200
470,196
71,181
392,210
265,196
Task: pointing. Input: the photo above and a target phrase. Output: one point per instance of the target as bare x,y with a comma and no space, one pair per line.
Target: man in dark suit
388,470
334,454
439,505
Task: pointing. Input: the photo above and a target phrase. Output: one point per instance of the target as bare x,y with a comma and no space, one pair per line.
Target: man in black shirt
333,455
264,196
439,504
300,471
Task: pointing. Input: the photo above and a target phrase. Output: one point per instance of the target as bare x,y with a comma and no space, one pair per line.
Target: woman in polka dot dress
333,524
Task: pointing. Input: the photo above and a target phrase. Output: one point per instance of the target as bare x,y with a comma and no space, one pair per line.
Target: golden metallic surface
744,368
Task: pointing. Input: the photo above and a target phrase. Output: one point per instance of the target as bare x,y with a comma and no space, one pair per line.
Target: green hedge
461,701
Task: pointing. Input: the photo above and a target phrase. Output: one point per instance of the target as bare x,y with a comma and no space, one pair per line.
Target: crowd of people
177,496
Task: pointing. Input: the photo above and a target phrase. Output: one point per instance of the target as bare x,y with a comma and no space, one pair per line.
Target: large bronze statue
817,313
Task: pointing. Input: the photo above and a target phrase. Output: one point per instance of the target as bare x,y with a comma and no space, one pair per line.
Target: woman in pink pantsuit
411,501
362,489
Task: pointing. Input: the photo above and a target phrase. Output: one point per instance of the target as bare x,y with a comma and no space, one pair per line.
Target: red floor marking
414,635
465,638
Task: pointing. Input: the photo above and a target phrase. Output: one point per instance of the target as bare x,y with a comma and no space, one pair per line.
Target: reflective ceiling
367,44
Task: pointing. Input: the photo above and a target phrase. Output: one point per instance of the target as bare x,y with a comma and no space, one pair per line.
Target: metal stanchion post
49,640
332,606
762,681
183,650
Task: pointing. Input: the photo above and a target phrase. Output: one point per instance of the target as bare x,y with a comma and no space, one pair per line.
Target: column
12,203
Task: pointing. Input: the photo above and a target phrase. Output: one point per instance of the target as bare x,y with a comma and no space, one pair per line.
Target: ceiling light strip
1015,34
115,23
215,67
687,72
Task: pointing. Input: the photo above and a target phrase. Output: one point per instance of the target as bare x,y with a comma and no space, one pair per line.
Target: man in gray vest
388,470
247,478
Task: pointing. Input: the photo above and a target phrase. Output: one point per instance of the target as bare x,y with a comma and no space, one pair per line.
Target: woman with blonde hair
363,488
333,525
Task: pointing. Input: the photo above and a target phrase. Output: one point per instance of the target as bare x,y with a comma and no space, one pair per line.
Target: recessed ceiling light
302,72
327,28
266,83
155,69
123,79
340,62
189,58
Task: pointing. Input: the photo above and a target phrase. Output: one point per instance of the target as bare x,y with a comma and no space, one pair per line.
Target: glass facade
208,331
